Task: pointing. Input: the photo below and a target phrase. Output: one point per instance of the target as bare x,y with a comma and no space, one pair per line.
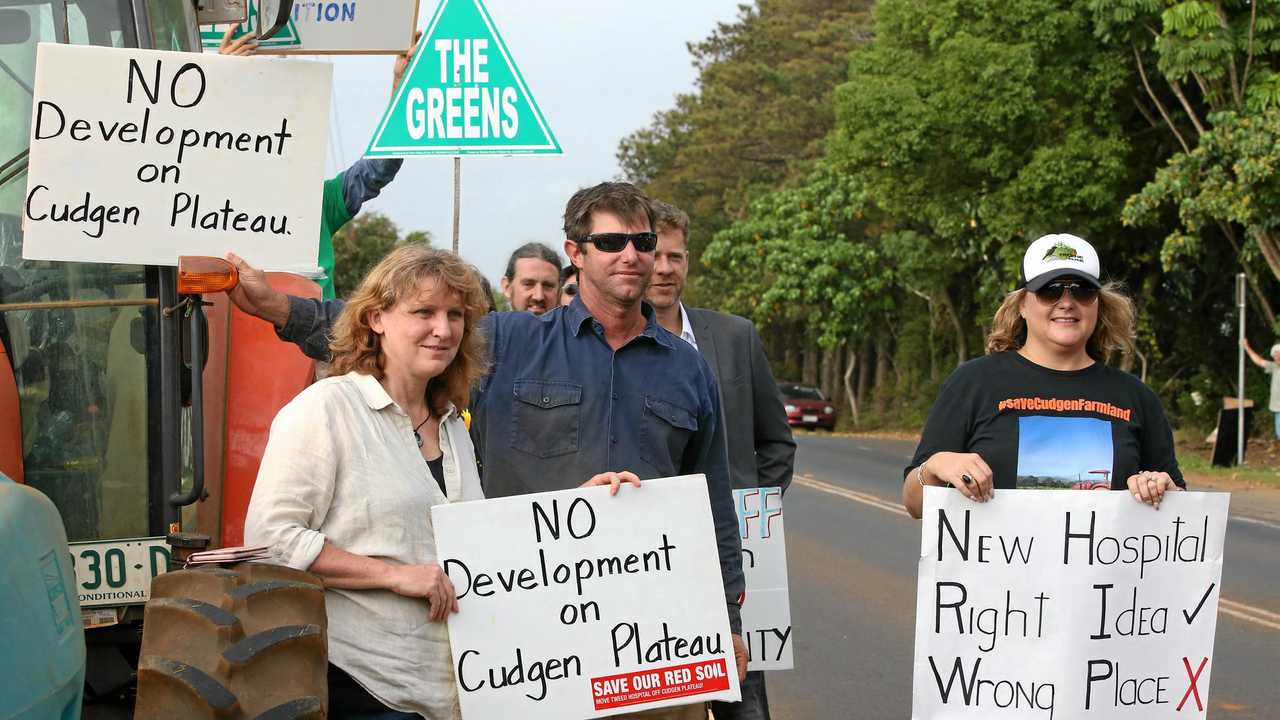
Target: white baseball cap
1053,256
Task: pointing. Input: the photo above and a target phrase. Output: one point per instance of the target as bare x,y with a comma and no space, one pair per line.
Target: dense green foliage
863,184
361,243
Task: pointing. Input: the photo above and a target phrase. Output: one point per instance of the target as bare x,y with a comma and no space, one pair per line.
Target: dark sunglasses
614,242
1081,293
570,289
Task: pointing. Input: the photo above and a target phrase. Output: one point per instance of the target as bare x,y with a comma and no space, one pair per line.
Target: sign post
1067,603
1240,307
575,604
462,94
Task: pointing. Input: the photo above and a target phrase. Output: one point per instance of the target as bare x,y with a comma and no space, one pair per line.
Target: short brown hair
1116,328
622,199
355,346
669,217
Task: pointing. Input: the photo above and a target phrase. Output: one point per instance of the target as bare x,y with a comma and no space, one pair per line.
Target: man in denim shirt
595,386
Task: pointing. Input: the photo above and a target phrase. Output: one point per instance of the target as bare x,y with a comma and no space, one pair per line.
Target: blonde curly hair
355,346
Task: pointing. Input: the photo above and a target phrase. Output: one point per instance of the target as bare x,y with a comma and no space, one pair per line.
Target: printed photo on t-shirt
1056,452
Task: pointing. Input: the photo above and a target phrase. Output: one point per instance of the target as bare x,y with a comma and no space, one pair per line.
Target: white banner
574,604
766,610
139,156
1067,604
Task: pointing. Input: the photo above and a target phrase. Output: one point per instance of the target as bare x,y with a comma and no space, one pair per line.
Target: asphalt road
852,555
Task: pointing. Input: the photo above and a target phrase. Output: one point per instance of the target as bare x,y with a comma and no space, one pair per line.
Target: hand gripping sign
1068,604
576,604
139,156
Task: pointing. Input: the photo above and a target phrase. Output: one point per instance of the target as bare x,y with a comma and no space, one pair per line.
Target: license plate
118,572
810,418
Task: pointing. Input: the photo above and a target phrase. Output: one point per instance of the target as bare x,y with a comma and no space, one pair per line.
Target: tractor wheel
238,642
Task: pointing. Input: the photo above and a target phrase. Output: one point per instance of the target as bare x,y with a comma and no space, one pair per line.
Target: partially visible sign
345,27
766,611
1068,604
117,572
575,604
140,156
462,94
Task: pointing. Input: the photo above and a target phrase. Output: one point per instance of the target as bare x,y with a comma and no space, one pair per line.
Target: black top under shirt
437,471
1042,428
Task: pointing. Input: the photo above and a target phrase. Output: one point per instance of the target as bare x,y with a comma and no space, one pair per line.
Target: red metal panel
263,374
10,421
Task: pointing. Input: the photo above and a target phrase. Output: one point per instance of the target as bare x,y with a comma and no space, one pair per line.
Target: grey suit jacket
761,449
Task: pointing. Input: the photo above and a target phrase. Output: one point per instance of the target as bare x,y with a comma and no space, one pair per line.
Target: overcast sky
598,69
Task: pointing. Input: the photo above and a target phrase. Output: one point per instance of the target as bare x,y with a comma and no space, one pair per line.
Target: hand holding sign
426,581
614,480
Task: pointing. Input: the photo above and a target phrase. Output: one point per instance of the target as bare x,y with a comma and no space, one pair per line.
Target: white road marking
1237,610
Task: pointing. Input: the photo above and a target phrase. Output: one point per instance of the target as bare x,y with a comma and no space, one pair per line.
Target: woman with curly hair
1042,409
353,466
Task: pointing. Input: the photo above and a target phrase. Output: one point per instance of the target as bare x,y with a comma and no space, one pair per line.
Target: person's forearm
349,571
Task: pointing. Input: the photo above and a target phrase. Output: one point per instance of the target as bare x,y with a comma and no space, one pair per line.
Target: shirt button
613,439
546,401
614,396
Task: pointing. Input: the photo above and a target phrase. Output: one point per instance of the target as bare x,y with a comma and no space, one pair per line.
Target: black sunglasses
614,242
570,289
1081,293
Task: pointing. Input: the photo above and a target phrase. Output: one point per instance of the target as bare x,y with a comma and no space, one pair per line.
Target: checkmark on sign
1196,612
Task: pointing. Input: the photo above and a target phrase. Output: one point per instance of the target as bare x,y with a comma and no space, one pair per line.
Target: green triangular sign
462,94
288,37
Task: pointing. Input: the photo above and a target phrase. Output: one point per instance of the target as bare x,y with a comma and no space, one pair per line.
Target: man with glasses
568,284
598,387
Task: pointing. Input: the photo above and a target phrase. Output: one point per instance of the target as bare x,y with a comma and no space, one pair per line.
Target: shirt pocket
665,431
545,417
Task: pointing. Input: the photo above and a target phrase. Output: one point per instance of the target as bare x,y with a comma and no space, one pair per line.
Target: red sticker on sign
644,686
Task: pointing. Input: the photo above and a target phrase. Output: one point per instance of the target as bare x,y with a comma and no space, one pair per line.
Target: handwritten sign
766,611
139,156
1063,603
577,604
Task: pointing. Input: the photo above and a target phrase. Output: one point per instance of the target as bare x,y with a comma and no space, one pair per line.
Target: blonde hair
1115,330
355,346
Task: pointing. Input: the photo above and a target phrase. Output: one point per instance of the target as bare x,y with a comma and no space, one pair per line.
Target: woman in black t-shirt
1042,409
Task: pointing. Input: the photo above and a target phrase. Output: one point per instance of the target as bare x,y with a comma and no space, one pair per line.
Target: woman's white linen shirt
342,465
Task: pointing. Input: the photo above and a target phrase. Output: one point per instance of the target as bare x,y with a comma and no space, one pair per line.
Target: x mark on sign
1192,689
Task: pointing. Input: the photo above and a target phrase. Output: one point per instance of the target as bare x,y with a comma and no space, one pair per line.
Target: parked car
807,407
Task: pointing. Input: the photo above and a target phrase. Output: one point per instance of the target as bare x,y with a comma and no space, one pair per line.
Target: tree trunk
810,366
863,362
851,358
882,389
962,351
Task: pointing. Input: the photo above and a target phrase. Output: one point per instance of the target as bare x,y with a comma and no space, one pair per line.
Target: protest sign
576,604
766,610
321,27
139,156
462,94
1068,604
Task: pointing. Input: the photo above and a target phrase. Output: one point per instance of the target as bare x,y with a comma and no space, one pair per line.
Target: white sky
598,69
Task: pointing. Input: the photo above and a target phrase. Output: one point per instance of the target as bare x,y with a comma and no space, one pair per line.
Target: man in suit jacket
761,449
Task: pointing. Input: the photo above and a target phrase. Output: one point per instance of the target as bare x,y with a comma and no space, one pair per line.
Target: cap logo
1063,251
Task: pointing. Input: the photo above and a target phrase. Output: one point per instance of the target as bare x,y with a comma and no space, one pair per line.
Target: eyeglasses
645,242
1081,293
570,289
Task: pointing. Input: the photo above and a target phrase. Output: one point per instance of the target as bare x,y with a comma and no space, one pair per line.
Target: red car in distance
807,407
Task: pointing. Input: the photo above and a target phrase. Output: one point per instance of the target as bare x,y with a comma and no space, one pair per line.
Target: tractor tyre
237,642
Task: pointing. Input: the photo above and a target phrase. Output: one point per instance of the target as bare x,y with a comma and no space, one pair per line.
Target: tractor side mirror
216,12
272,16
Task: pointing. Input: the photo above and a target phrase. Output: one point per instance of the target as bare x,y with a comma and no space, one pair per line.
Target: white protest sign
766,610
1068,604
346,27
139,156
574,604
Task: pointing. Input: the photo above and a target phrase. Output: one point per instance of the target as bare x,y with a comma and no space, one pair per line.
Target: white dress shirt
342,465
686,328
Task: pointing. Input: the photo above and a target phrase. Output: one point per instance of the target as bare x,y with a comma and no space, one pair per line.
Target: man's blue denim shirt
559,406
